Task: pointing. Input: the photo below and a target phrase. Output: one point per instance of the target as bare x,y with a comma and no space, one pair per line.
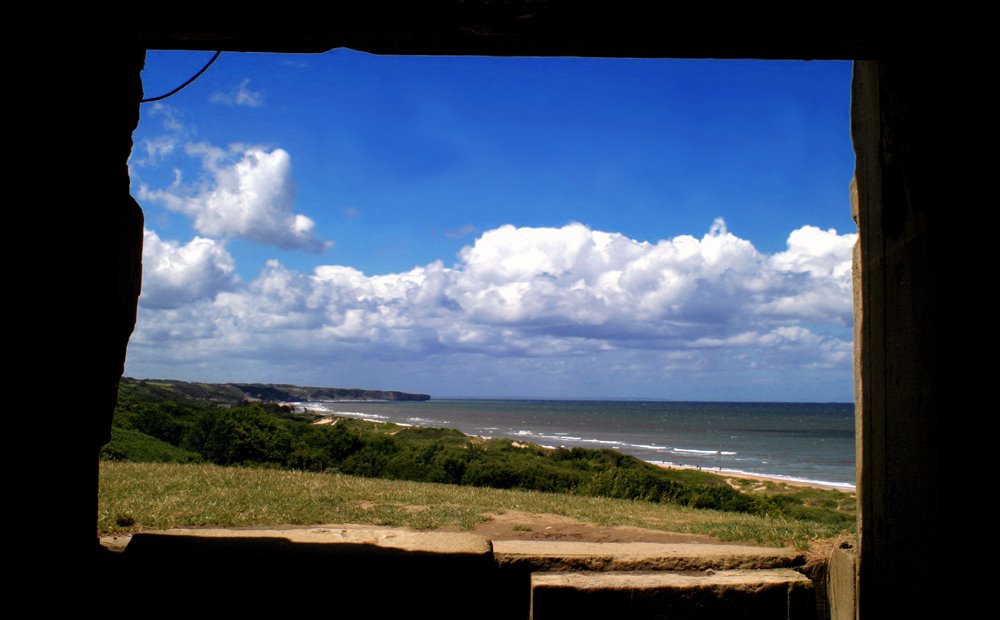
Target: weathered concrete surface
422,570
533,28
904,117
541,555
841,584
391,572
775,593
518,560
454,543
905,111
116,543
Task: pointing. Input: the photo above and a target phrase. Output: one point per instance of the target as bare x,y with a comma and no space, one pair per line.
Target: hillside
167,390
162,421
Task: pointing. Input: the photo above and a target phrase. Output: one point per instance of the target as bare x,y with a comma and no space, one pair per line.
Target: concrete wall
897,126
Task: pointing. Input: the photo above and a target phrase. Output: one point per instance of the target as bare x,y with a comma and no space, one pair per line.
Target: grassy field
136,496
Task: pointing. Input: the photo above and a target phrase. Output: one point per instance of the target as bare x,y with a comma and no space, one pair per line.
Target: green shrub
244,435
131,445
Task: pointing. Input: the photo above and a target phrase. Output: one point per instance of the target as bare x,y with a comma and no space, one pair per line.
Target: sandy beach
792,482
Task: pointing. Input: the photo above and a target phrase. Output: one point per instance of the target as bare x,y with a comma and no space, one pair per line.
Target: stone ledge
772,593
580,556
384,538
385,572
740,579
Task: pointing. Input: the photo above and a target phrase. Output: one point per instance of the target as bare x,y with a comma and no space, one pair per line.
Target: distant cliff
268,391
169,389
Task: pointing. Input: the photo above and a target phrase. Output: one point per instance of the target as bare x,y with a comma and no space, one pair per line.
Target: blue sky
526,227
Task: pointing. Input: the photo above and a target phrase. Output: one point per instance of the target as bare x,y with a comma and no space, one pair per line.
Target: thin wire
178,89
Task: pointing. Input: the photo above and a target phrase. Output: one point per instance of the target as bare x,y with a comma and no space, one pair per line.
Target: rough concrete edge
671,580
549,562
841,587
389,538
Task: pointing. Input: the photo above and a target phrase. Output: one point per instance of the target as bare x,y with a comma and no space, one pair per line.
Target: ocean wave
526,433
785,478
778,477
572,439
693,451
689,451
605,442
309,406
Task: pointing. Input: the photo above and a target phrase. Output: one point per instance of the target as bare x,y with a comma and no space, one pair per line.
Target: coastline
728,473
790,481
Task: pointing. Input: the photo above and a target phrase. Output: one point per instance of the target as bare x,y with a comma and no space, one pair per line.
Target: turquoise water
802,441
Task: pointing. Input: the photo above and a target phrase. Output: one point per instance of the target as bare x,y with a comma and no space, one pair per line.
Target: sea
803,442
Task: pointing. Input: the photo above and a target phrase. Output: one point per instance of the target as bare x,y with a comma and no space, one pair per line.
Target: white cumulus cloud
587,301
245,192
175,274
817,265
